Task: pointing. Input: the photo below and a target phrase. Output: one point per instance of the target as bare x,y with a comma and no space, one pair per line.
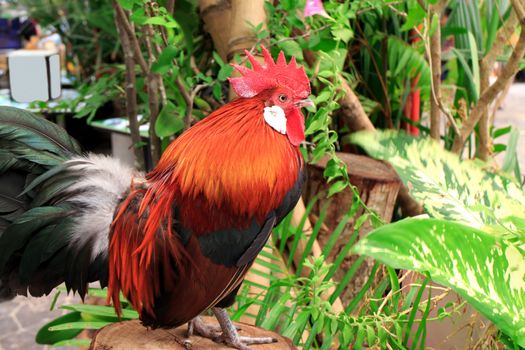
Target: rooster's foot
199,327
231,337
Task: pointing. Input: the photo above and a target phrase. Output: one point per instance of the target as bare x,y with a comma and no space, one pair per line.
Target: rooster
177,241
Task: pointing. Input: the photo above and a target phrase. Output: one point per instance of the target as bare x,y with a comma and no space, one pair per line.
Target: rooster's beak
305,103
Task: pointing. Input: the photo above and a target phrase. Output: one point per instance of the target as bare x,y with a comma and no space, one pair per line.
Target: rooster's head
283,87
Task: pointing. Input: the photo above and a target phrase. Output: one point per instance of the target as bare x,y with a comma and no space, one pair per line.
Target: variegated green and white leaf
447,187
484,269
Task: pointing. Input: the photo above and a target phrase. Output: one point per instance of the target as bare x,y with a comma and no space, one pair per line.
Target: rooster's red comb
270,75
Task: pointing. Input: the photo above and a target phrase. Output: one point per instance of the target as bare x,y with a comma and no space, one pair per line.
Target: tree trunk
131,95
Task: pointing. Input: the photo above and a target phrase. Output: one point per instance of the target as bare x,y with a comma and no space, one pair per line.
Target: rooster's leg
198,326
230,335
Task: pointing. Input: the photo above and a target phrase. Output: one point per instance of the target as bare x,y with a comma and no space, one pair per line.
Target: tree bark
131,95
153,84
486,65
435,63
487,96
170,6
352,111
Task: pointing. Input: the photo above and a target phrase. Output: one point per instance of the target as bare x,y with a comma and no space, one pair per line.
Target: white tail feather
103,183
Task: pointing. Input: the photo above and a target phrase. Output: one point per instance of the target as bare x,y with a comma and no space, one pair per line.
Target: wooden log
378,186
130,335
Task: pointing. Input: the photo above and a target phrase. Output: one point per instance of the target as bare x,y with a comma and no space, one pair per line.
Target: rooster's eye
283,98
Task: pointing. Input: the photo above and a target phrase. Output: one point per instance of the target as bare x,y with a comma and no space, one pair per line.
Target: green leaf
344,34
45,336
78,325
337,187
99,310
157,20
292,48
501,131
511,162
84,343
126,4
475,64
415,15
165,59
225,72
169,121
489,272
447,187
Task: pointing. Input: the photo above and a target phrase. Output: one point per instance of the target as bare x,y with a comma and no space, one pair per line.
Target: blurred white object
34,75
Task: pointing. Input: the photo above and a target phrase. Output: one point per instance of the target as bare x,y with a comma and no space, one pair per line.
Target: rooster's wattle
175,242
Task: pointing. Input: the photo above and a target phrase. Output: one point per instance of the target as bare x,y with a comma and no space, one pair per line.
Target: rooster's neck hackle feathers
232,160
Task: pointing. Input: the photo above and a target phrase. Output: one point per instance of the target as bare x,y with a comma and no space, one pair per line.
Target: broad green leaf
447,187
486,270
165,59
415,15
511,163
79,325
126,4
475,65
99,310
46,336
225,72
344,34
169,121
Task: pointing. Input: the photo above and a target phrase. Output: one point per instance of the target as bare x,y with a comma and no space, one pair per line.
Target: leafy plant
63,330
475,241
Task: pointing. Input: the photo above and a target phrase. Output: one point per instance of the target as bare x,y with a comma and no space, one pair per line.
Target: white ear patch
275,117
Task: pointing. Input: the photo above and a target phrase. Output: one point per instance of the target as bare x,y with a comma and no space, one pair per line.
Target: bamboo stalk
244,15
131,95
215,14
